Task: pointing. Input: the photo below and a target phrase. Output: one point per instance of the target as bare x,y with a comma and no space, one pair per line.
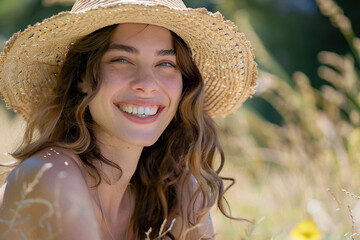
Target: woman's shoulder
44,174
48,188
59,157
47,167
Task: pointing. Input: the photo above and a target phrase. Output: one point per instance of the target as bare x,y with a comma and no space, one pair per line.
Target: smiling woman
136,72
120,135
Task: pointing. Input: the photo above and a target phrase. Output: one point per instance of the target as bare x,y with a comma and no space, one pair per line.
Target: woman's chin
142,141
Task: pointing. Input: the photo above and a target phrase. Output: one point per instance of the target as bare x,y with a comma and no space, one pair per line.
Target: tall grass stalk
283,170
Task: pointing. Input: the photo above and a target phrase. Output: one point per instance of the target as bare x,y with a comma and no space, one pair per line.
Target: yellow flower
306,230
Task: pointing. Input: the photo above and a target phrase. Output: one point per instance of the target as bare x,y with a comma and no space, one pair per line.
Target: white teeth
140,111
147,111
153,110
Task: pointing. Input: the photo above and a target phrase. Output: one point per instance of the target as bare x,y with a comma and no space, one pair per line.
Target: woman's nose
145,82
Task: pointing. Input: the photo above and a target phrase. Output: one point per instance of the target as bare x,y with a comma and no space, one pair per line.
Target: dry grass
299,169
11,130
14,224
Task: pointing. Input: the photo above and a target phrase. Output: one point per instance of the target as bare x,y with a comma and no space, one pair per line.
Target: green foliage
15,15
293,31
208,4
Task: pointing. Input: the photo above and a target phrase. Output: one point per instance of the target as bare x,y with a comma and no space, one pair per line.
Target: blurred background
293,148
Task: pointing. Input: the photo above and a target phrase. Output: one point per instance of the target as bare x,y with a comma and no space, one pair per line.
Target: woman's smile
140,86
140,113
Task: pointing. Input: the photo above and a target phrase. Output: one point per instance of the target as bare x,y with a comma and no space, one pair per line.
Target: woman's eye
167,64
121,60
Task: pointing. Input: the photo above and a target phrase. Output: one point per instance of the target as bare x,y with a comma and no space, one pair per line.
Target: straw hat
32,59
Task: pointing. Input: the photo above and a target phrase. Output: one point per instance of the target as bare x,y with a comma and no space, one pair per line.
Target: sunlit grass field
306,168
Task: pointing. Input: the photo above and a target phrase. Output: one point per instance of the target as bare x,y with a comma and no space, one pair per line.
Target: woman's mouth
139,111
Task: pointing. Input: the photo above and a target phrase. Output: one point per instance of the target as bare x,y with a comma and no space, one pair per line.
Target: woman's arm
205,228
46,197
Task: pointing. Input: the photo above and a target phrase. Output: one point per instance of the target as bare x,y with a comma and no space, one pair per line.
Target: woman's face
141,86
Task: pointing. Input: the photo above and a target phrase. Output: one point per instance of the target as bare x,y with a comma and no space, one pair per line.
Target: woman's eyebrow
130,49
166,52
125,48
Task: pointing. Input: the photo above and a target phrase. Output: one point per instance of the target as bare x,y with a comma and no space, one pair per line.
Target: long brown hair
185,150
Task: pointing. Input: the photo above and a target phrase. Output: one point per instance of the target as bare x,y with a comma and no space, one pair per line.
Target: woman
118,97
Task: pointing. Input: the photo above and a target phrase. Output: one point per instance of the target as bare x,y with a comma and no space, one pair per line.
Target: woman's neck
126,157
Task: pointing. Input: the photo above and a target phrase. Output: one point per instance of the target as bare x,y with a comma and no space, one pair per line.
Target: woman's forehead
139,34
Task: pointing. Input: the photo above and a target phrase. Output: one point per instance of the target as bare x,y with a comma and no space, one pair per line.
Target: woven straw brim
31,61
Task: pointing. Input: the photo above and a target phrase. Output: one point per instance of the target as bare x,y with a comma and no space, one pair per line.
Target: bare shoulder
205,228
47,171
46,195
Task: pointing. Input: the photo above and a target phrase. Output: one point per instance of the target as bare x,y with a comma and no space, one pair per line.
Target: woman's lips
140,113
